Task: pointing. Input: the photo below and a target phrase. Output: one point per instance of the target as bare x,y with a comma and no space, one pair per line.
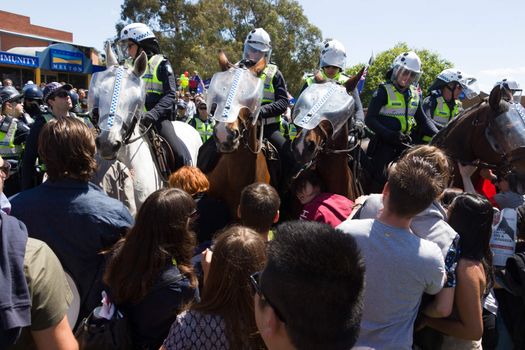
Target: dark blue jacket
78,221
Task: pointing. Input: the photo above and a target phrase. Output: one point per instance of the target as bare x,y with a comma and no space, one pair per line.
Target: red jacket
331,209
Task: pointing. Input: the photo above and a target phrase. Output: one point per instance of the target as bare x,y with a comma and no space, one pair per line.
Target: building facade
40,54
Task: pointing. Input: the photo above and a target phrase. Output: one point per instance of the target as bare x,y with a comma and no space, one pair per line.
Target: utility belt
272,120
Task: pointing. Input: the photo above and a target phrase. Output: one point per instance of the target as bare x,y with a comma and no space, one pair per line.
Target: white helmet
450,75
407,62
513,87
257,45
333,54
136,32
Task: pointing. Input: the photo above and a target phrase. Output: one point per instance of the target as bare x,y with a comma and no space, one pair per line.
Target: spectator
34,294
471,216
7,82
150,274
201,122
57,98
212,215
400,266
224,319
13,134
74,217
190,107
328,208
259,208
309,294
508,196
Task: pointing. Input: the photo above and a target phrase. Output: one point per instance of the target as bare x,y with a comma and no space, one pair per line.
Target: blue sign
66,61
18,60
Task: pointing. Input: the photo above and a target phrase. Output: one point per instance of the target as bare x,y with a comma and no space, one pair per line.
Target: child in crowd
320,206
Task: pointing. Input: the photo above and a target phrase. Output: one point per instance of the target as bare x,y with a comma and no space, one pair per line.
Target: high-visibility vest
442,113
204,129
8,149
339,77
288,130
269,91
397,108
153,84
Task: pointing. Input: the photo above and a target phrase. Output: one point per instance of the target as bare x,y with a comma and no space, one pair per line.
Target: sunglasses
6,168
256,288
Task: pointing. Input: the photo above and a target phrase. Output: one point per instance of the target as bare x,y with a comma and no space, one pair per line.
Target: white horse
119,94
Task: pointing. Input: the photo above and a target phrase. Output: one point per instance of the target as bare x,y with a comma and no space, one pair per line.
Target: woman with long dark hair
149,274
471,216
225,317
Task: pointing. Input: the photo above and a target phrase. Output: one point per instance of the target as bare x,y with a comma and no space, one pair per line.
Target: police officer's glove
147,120
359,129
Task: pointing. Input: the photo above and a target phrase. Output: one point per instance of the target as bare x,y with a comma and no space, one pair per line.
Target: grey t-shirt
400,267
430,224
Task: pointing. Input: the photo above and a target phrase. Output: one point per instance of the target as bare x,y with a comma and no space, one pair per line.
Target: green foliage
192,32
432,65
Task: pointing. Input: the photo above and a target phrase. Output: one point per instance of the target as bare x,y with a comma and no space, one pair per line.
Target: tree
432,65
192,32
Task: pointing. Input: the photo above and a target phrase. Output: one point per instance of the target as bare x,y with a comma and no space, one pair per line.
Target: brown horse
234,98
490,135
322,140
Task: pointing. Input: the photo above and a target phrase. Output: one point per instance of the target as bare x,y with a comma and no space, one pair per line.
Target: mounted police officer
160,86
511,90
332,63
443,104
275,96
393,112
13,134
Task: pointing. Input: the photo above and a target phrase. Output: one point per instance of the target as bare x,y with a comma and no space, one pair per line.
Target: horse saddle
162,154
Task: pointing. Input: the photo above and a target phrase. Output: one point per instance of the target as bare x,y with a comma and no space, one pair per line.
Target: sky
482,38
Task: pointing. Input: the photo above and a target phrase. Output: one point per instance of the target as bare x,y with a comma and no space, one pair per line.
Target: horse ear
495,97
223,61
351,83
111,59
259,66
139,67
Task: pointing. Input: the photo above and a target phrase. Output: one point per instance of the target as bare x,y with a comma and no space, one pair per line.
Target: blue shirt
77,220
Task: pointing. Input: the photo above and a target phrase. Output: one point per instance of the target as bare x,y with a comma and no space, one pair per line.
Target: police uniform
392,114
205,128
13,134
160,95
274,104
440,111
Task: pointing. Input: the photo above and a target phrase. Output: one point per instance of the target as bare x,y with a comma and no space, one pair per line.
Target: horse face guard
231,91
118,111
328,101
506,135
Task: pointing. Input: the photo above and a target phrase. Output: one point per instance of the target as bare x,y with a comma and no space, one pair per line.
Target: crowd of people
408,266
